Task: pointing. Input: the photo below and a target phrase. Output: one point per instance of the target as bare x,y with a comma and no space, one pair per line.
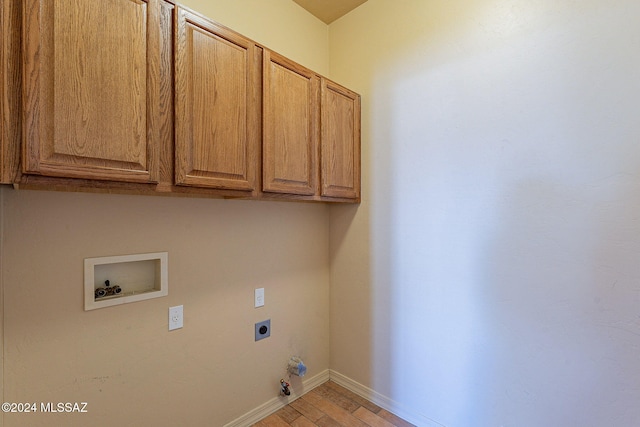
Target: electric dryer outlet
263,329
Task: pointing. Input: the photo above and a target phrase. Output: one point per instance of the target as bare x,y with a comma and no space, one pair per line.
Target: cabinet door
91,83
217,105
340,146
290,127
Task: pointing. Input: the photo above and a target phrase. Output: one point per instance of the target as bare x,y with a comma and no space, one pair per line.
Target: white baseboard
309,384
279,402
382,401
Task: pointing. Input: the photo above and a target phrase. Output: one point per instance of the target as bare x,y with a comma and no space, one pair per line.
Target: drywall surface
280,25
490,276
1,295
122,360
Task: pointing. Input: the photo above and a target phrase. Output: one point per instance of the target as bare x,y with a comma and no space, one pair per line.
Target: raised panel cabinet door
290,128
217,89
92,89
340,142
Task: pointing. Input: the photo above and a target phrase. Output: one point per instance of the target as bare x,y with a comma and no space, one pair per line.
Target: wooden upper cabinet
91,89
133,92
290,126
218,107
340,146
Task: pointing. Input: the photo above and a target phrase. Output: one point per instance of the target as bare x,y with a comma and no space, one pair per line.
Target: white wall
490,276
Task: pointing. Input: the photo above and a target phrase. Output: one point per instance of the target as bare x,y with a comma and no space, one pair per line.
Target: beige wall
2,297
122,360
281,25
490,276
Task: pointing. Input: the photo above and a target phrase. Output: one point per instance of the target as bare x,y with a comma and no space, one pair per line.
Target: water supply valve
107,290
284,387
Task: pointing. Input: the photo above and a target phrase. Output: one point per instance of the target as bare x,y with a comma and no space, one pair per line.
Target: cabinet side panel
2,95
10,90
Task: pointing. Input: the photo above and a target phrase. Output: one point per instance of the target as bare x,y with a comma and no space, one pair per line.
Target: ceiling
329,10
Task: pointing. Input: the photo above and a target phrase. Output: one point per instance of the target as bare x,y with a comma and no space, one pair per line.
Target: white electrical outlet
175,317
259,297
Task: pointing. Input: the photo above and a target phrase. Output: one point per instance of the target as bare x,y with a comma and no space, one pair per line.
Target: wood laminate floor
331,405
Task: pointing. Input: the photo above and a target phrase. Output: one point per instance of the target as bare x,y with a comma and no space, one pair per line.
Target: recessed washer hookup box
122,279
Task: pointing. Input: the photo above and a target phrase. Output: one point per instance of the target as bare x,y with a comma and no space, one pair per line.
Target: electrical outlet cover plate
175,317
263,329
